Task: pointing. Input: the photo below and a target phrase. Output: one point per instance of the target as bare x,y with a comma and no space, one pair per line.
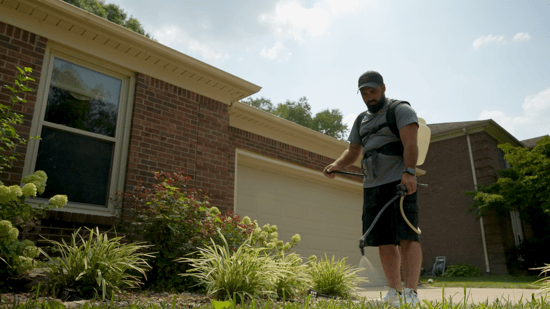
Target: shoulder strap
358,121
390,116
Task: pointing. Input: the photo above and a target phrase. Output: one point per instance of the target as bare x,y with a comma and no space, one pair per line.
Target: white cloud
522,37
487,39
173,36
531,123
272,53
292,20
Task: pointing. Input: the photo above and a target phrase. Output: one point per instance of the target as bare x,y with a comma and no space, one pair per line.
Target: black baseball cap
370,79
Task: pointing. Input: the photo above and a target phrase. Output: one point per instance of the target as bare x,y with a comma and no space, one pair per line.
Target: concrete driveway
474,295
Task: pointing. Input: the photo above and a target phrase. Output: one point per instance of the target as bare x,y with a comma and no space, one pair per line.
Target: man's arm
408,136
348,157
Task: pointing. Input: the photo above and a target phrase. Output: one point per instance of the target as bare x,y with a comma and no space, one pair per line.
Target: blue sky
453,61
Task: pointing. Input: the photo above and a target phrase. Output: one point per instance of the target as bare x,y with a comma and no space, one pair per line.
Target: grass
542,302
495,282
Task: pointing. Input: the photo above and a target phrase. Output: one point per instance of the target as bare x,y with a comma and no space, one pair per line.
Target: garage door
326,213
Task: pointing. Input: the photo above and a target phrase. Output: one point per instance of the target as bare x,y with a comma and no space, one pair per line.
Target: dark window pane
82,98
91,115
76,165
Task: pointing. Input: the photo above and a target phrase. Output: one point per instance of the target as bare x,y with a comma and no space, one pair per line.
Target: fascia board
73,27
489,126
248,118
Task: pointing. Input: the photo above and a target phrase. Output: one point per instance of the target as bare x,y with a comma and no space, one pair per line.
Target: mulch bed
183,300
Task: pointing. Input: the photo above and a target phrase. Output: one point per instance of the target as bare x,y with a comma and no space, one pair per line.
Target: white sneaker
409,299
391,297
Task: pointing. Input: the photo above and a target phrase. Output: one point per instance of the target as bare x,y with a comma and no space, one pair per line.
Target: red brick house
463,155
151,107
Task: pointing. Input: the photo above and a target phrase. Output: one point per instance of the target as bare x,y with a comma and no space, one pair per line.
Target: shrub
247,271
176,221
527,255
14,208
97,265
332,278
17,256
17,217
9,138
461,270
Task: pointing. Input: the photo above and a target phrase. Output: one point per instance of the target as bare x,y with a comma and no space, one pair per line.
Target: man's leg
412,260
391,261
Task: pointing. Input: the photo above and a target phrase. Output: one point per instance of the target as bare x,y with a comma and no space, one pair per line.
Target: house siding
19,48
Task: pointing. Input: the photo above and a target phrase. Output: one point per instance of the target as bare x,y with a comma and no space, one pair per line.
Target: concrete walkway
474,295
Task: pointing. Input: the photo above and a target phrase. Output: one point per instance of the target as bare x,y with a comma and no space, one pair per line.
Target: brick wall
488,160
175,128
448,229
19,48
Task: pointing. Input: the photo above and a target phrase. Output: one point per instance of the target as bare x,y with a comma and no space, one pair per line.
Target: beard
374,108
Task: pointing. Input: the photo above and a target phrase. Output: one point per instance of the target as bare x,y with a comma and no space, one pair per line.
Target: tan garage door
326,213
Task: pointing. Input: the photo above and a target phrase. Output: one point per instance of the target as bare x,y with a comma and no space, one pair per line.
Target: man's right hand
328,169
348,157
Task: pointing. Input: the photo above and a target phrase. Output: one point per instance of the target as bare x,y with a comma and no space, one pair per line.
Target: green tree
523,187
111,12
328,121
260,103
297,112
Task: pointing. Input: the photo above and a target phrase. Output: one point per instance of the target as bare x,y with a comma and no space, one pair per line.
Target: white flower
59,200
214,210
39,179
5,228
29,190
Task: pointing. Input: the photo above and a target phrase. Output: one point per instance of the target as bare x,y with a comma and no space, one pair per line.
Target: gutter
483,240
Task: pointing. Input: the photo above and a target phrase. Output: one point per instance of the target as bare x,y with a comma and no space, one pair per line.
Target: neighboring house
463,155
153,108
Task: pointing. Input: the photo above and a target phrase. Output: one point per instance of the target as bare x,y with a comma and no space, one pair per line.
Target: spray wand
401,192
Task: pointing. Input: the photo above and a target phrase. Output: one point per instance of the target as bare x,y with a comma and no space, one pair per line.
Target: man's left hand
409,181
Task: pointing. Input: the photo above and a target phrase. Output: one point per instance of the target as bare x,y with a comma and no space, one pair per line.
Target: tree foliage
328,121
111,12
523,187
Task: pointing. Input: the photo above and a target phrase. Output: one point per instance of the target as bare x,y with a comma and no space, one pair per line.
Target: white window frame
123,126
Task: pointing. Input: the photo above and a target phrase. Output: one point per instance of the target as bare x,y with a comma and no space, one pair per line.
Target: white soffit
88,33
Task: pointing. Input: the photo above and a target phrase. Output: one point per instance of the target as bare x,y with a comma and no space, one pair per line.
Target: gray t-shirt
381,169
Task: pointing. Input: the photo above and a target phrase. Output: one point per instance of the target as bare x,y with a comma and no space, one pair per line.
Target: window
82,116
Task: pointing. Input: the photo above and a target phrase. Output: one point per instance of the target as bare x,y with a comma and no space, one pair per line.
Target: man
387,161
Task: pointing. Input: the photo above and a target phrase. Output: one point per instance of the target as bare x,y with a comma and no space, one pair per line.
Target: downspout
488,269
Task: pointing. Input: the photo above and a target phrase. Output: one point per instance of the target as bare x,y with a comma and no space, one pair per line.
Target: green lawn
507,282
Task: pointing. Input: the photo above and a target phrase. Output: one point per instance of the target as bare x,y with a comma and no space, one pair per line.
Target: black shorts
390,227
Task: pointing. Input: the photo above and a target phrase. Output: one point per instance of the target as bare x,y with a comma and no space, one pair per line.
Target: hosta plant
96,265
545,281
246,272
296,280
333,278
